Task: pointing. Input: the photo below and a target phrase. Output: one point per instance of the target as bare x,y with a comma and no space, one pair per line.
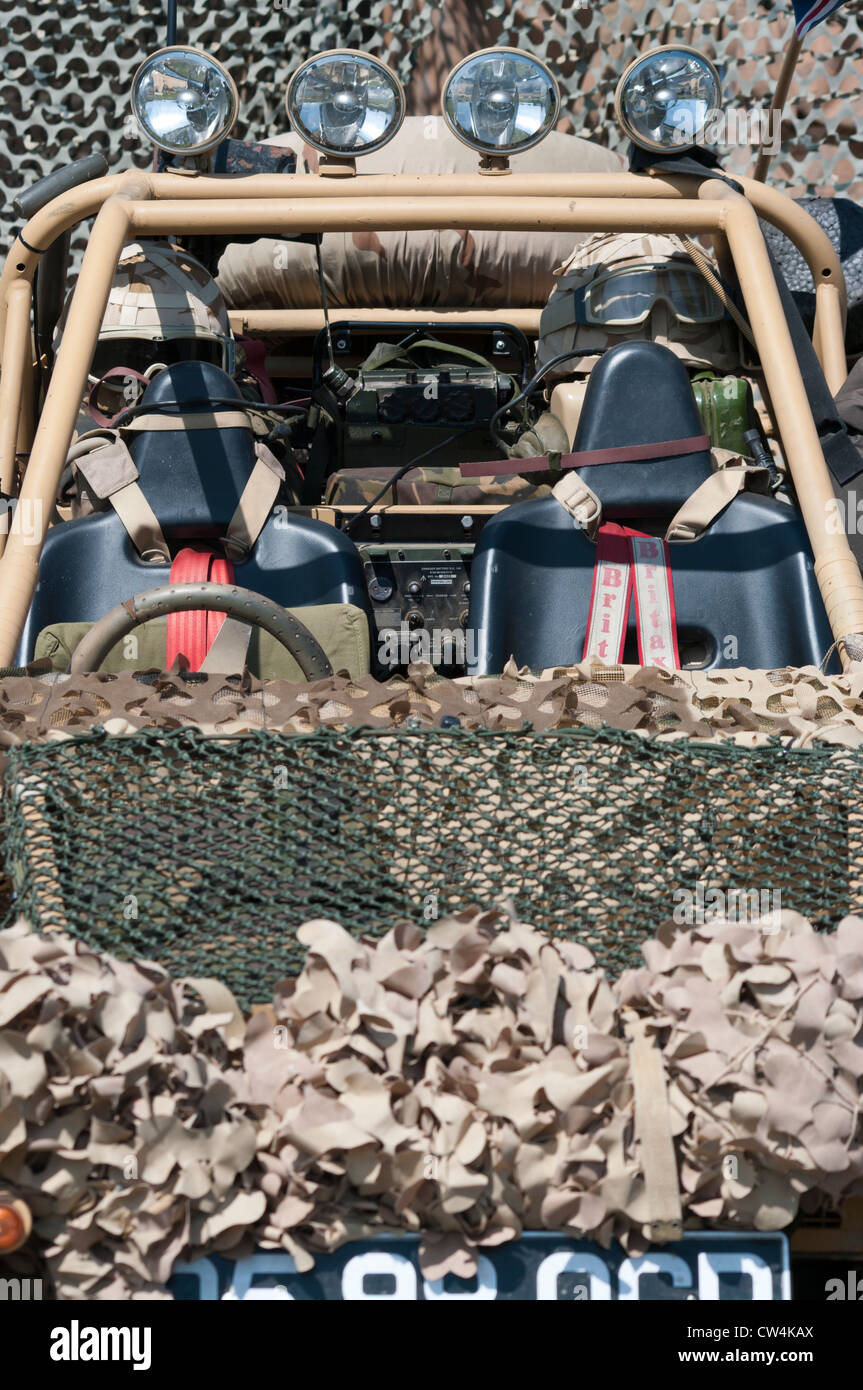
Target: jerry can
727,409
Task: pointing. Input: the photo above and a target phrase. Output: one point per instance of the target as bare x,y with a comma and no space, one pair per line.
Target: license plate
541,1266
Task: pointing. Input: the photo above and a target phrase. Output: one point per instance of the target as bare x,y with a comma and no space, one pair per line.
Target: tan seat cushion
433,269
341,629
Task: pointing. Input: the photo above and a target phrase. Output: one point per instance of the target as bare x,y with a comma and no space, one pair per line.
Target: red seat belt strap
627,560
609,599
655,618
192,634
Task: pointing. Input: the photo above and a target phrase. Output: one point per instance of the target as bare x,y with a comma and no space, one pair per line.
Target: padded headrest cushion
639,393
193,479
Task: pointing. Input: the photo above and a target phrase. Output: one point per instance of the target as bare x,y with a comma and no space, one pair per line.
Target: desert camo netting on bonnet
506,1071
348,799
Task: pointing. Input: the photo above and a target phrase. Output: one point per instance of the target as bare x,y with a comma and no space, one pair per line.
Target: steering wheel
242,604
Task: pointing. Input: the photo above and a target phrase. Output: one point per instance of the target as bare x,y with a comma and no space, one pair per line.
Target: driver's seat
192,480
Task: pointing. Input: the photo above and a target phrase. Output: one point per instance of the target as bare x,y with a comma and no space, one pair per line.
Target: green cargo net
205,854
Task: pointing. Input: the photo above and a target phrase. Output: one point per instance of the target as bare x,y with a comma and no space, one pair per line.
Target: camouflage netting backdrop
469,1084
66,67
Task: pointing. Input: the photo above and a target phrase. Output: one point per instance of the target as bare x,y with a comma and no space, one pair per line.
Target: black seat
639,393
745,592
193,480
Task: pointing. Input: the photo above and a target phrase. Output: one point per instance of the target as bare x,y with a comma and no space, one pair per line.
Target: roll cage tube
137,204
775,207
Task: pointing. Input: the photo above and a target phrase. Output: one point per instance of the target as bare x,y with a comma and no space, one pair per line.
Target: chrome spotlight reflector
345,103
665,99
184,101
500,101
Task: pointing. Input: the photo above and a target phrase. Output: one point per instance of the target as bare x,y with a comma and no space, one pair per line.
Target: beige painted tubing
19,566
836,570
718,209
17,364
824,266
494,213
298,321
828,336
69,209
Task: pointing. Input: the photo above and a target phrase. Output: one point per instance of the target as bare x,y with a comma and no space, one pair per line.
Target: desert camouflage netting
67,68
792,709
798,705
207,853
469,1084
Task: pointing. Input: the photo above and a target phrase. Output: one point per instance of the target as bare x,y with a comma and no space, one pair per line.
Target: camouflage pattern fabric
468,1083
710,345
445,268
242,157
425,486
160,291
748,708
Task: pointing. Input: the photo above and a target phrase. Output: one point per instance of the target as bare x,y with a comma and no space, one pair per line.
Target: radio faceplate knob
380,588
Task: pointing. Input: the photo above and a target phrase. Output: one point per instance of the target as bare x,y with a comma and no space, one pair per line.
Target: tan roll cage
139,204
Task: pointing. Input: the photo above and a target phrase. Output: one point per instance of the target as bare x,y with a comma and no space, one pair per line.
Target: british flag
807,15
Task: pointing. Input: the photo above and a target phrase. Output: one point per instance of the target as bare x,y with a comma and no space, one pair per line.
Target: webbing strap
192,634
609,598
181,424
255,504
653,1131
592,458
580,500
104,460
655,619
128,374
627,560
107,468
637,453
500,468
255,353
704,505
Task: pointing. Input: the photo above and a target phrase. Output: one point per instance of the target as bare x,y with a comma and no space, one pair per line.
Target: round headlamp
183,100
500,101
664,99
345,103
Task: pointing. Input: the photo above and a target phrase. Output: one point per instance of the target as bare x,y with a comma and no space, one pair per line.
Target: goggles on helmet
624,298
141,353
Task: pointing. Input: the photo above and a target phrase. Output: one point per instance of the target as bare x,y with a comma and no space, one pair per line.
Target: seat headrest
639,393
190,384
193,479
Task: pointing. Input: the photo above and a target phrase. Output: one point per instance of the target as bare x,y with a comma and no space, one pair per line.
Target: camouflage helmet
714,345
163,307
